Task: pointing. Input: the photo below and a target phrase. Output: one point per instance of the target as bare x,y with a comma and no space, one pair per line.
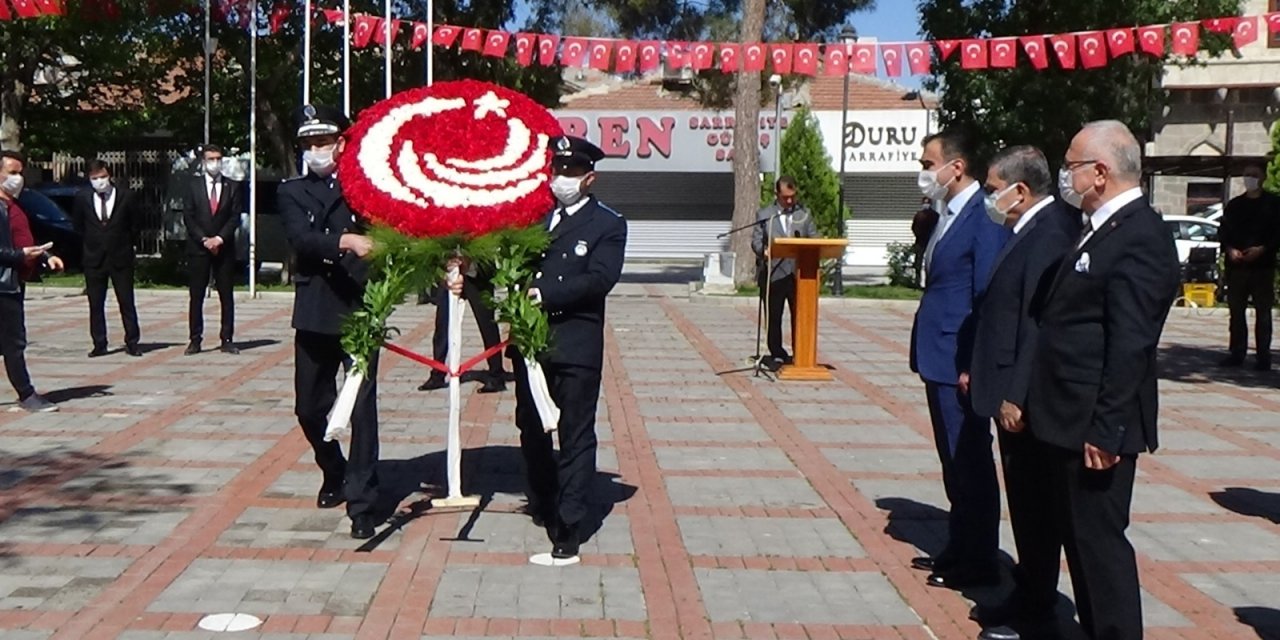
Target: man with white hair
1091,405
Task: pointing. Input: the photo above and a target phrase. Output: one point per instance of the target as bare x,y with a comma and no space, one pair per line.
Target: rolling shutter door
670,215
881,208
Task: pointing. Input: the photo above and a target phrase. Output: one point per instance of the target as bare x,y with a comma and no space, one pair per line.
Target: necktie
555,219
105,213
213,198
1085,233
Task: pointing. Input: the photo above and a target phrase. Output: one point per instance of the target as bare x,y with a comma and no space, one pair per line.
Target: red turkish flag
862,59
473,40
1246,31
334,16
806,61
495,44
1220,25
679,55
386,30
1064,47
650,55
599,55
445,36
526,46
1093,49
1151,40
624,60
421,32
730,58
279,16
50,7
25,8
973,54
946,47
364,27
547,50
1186,38
1273,22
919,57
892,56
753,58
574,53
780,55
1036,50
1120,42
836,61
1004,53
704,55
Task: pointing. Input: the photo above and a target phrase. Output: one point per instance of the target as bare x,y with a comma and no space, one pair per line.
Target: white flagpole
386,30
253,149
306,52
346,57
431,32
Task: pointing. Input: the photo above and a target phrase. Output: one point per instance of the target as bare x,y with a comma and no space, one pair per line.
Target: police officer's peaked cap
568,151
319,120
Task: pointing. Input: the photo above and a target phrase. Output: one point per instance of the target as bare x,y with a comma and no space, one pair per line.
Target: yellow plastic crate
1199,294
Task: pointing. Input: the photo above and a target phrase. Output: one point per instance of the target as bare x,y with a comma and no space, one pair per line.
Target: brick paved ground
170,487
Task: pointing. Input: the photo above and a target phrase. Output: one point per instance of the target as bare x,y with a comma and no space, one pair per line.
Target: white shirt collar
957,204
1110,207
576,207
1026,217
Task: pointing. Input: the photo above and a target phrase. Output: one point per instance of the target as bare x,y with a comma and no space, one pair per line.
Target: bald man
1091,406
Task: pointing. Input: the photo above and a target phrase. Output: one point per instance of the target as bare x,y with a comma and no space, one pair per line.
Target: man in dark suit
1091,406
330,278
785,218
577,272
106,217
475,286
1018,186
211,211
957,260
1250,236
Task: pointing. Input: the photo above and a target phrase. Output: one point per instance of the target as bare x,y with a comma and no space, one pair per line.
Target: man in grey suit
785,218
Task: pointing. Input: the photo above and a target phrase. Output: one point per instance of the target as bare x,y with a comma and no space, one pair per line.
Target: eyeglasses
1072,166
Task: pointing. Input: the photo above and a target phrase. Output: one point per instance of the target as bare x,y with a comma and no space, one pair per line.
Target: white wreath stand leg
455,499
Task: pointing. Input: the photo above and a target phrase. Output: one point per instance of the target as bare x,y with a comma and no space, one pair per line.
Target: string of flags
1075,50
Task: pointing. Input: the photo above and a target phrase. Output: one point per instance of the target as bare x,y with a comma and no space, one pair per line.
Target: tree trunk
746,146
12,99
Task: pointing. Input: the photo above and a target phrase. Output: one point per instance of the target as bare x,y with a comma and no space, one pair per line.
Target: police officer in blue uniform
330,244
580,267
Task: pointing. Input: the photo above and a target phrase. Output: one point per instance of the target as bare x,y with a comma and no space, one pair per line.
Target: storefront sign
657,141
877,141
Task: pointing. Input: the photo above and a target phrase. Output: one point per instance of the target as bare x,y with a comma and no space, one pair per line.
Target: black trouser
473,291
13,343
779,292
223,267
1027,483
317,359
95,286
1246,284
963,441
560,487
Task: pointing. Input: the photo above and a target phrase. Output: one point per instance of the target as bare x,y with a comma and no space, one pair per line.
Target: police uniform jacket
330,283
579,268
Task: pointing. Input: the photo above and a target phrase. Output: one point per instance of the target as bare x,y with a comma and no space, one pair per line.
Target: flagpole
253,150
346,57
306,52
386,31
208,66
431,32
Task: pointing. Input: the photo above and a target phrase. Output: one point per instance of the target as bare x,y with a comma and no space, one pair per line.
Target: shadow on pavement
249,345
58,396
1264,620
1199,365
1249,502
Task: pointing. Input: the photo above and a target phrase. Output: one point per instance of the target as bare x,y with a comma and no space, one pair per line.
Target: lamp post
848,36
775,82
210,45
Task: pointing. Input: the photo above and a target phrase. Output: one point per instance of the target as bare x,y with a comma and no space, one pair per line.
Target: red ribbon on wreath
442,367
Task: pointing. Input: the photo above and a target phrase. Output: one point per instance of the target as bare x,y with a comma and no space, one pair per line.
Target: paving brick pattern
169,487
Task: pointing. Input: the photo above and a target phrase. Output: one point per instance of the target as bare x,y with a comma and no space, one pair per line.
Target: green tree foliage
1046,108
805,158
1272,182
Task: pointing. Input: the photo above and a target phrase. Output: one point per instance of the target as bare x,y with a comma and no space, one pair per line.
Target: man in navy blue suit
958,260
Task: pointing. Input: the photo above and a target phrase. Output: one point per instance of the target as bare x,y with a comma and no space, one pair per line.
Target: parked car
1190,232
48,210
1213,213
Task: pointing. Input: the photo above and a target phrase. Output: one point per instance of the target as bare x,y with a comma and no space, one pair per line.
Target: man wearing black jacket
211,211
106,216
1250,235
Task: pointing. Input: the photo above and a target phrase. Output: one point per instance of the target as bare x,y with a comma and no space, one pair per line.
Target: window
1175,229
1200,232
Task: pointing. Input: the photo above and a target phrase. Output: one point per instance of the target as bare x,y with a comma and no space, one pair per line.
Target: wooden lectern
807,252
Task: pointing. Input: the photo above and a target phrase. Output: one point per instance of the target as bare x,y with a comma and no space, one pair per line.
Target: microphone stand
757,362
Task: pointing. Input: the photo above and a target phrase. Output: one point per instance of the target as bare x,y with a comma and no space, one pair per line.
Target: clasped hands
1245,255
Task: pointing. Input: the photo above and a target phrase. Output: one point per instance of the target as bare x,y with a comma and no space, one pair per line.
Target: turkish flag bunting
334,16
806,59
973,54
526,46
1120,42
946,47
1220,25
547,50
892,56
1246,31
780,55
25,8
445,36
1064,47
862,59
1004,53
495,44
1036,50
599,58
574,53
624,59
421,32
4,11
1093,49
703,56
1186,38
50,7
836,60
279,16
385,30
919,57
1273,22
363,30
679,55
730,58
650,55
1151,40
473,40
753,58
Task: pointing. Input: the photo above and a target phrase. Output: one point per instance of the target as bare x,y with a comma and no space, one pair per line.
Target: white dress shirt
1026,217
1108,209
210,184
567,212
948,217
104,214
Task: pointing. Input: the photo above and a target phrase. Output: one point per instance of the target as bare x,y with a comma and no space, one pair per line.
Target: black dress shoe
362,529
434,381
924,563
133,350
565,542
1231,361
494,383
97,352
229,347
1002,632
192,348
329,499
963,579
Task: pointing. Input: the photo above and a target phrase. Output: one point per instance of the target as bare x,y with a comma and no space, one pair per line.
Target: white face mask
930,187
1251,183
991,202
100,185
12,184
1067,190
320,160
213,167
567,190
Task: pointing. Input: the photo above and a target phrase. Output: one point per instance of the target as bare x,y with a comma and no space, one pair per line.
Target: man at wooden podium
785,218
